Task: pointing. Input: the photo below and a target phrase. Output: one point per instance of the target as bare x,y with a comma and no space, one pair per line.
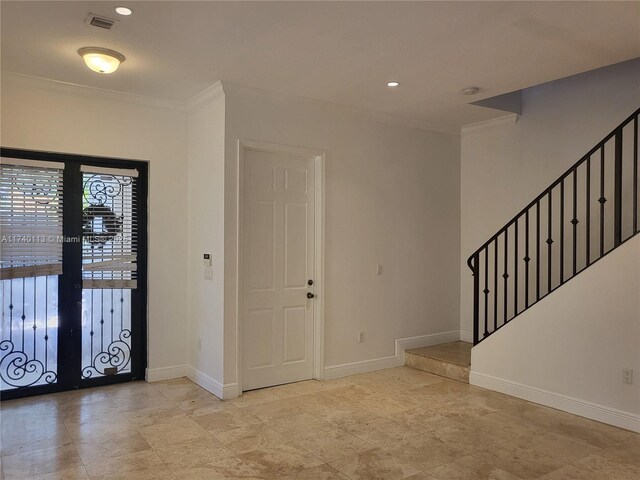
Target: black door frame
70,282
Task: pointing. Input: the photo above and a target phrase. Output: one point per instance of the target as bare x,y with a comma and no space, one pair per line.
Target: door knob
310,295
310,282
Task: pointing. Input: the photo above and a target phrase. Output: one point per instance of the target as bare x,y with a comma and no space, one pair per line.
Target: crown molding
510,119
207,96
83,91
233,88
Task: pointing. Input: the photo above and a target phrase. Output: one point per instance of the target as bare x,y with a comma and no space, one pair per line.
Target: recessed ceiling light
101,60
392,84
470,90
124,11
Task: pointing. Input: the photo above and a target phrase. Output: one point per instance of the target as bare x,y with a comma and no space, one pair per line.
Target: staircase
585,214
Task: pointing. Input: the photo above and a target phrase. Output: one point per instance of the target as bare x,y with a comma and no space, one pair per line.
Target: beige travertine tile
413,424
300,425
153,415
145,465
627,451
571,472
191,453
525,463
175,430
503,426
272,410
254,397
423,453
329,445
223,469
111,423
344,416
606,468
18,437
278,460
470,468
28,465
225,420
371,464
381,432
97,447
250,437
74,473
321,472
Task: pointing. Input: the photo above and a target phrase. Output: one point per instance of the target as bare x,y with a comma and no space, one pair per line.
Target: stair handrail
616,134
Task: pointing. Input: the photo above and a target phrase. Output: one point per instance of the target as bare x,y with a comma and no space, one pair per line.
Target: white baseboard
166,373
224,392
594,411
396,360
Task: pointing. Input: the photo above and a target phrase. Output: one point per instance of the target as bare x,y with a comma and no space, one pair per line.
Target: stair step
450,360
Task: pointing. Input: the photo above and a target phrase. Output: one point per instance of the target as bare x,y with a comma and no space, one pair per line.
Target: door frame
318,304
138,362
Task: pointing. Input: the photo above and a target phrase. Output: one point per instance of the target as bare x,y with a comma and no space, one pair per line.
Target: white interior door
278,265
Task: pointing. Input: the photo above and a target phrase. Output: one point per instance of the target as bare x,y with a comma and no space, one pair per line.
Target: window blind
30,218
109,228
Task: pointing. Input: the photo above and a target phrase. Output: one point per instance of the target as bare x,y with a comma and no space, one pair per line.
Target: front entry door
278,268
73,272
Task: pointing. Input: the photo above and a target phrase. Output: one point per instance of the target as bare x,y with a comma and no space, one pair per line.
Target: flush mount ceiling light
470,90
101,60
392,84
124,11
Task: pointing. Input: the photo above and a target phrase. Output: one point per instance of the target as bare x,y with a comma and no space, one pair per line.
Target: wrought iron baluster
505,275
635,174
574,221
538,249
602,200
515,270
617,189
495,286
588,214
527,259
486,291
561,232
549,243
476,297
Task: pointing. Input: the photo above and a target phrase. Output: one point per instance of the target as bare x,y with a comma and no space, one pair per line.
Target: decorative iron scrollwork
16,370
99,188
117,355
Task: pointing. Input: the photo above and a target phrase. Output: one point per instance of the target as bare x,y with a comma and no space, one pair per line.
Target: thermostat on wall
207,259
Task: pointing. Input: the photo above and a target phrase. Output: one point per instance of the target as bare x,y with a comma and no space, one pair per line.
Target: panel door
278,269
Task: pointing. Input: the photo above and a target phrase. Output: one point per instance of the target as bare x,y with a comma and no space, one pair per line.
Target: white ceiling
338,52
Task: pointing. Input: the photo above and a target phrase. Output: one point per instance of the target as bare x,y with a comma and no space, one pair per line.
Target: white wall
45,115
506,165
503,167
392,197
575,344
206,235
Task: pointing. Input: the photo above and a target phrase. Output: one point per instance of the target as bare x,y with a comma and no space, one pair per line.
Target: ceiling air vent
100,21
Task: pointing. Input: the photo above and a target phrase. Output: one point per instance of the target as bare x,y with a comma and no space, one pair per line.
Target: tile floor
392,424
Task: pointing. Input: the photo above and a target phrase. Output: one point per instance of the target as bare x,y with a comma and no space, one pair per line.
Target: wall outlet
627,376
379,269
360,337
